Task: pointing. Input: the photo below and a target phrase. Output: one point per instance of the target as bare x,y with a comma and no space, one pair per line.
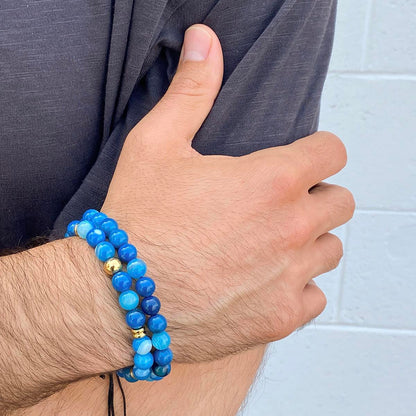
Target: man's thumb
180,113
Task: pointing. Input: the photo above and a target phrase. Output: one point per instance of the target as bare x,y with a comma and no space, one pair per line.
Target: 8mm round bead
128,300
104,251
163,357
157,323
118,238
161,370
145,286
95,236
161,340
127,252
89,214
135,319
71,228
150,305
83,228
121,281
136,268
108,226
144,361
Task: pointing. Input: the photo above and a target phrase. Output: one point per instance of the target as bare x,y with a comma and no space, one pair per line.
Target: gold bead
112,266
76,229
132,374
138,333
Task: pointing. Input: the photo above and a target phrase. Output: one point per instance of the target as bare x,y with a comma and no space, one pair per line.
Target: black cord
110,402
124,396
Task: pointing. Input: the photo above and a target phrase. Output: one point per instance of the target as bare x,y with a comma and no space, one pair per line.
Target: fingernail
197,44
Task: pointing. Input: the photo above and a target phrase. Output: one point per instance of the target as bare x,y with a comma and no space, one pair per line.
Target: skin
232,243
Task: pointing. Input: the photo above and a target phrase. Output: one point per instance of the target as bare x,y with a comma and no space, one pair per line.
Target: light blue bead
121,281
150,305
143,361
136,318
145,286
104,251
98,218
71,228
142,345
108,226
89,214
140,373
136,268
95,236
128,300
127,252
118,238
84,227
163,357
161,340
157,323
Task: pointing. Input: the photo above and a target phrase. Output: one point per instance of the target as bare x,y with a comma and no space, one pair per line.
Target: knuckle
299,231
333,142
284,180
349,202
334,252
189,83
321,301
284,319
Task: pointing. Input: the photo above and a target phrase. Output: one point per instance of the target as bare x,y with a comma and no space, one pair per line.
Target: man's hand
232,243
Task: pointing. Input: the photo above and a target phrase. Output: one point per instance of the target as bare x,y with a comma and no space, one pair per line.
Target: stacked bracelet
151,342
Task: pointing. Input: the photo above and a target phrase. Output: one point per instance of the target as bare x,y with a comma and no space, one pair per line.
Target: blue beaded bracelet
152,355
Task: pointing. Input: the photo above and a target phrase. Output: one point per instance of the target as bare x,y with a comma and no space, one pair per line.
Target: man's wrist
61,321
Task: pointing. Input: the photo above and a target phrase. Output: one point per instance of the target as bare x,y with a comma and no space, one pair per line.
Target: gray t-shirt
76,75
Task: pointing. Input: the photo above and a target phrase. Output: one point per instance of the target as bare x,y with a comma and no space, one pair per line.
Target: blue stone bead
135,319
130,379
128,300
143,361
162,370
67,235
136,268
95,236
163,357
127,252
104,251
161,340
145,286
89,214
157,323
84,227
142,345
108,226
121,281
140,373
123,372
150,305
71,227
118,238
98,218
154,377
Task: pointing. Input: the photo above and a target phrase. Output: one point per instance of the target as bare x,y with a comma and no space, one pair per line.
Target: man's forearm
60,322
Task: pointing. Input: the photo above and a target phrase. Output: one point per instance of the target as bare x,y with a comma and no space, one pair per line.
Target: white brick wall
359,357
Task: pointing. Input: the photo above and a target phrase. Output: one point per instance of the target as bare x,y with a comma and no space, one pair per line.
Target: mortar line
342,276
367,24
